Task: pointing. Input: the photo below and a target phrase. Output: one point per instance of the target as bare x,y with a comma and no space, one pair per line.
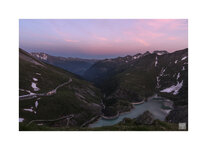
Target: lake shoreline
120,113
116,116
138,108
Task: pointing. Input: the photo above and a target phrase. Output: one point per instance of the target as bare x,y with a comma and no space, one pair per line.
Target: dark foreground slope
145,122
77,98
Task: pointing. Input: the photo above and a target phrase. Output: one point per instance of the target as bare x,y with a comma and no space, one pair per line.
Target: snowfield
44,56
38,74
28,109
184,58
35,79
36,104
156,61
178,76
162,71
34,86
158,82
174,88
160,53
21,119
136,57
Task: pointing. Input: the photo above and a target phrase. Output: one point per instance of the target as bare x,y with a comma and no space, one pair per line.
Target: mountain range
102,87
75,65
134,78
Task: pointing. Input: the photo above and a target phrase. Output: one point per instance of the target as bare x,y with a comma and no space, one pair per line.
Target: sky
102,38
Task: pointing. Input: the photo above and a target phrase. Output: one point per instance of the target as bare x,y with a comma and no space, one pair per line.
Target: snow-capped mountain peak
41,56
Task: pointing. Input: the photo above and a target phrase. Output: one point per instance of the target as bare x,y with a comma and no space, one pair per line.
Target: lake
158,106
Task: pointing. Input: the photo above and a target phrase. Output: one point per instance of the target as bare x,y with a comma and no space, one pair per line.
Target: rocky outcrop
178,115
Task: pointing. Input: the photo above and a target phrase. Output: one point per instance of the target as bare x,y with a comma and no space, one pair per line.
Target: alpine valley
146,91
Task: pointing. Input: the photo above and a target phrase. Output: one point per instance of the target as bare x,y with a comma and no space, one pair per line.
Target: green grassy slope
79,97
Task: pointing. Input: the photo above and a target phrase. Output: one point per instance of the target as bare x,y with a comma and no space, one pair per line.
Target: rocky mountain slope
74,65
48,93
134,78
122,81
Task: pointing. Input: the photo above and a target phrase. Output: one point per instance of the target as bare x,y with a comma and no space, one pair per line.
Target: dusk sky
102,38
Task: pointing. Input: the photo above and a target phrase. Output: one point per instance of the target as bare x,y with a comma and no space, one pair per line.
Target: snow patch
183,68
36,104
38,74
35,79
38,55
29,109
162,71
176,61
178,76
184,58
21,119
136,57
156,61
174,88
160,53
34,86
158,82
42,56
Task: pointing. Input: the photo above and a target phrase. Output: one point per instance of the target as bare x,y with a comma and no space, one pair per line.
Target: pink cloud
142,32
159,23
151,34
117,40
142,42
177,25
100,38
127,33
72,41
172,38
173,24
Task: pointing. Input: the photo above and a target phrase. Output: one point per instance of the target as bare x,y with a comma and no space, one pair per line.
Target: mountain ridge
133,79
74,65
53,93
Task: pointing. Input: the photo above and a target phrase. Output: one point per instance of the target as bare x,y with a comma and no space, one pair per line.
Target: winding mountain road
52,92
68,117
